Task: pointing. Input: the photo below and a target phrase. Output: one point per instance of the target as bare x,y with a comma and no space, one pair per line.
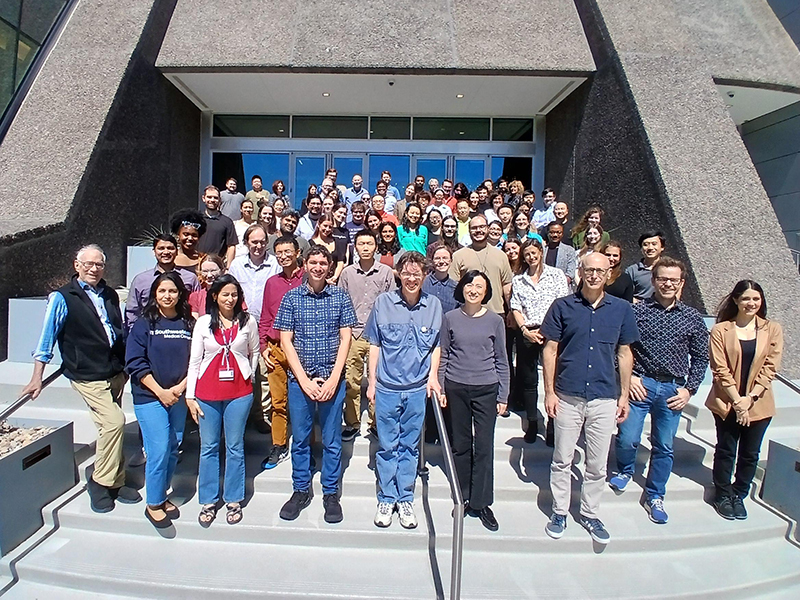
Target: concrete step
154,567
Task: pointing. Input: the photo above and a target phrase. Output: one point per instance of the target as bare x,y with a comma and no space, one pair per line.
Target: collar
297,275
85,286
656,305
372,270
264,264
578,297
421,303
435,281
306,290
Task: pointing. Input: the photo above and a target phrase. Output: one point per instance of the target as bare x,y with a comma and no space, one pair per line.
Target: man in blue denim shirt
315,321
584,332
403,332
664,380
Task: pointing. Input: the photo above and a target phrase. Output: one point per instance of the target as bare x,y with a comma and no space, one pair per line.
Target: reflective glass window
470,171
513,167
251,126
329,127
431,168
450,128
512,130
308,170
398,166
346,167
390,128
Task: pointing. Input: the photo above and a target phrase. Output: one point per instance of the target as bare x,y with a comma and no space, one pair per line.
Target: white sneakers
407,517
405,513
383,517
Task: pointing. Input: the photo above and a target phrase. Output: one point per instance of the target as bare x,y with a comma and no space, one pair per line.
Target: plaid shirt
316,320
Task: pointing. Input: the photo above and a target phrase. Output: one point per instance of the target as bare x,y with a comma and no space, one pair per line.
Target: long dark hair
383,248
406,226
727,309
240,315
151,311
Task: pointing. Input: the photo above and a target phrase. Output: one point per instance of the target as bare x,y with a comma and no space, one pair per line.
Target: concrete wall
773,142
102,148
650,138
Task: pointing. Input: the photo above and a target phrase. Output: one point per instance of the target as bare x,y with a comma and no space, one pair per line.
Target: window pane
329,127
251,126
390,128
512,130
26,51
8,56
436,128
307,170
38,17
431,167
271,167
9,10
470,171
346,167
398,165
514,167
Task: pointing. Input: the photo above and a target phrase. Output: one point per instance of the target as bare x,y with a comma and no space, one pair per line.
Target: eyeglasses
594,271
478,227
211,272
672,280
90,264
411,276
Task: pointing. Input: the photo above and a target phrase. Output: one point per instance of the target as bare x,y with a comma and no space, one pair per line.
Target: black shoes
739,511
349,434
532,432
298,501
125,495
99,497
333,510
487,518
724,508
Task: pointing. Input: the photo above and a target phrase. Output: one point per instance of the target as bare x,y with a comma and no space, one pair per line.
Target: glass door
431,167
398,165
347,166
308,169
471,170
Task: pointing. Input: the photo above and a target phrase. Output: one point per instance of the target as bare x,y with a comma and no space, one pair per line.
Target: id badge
226,374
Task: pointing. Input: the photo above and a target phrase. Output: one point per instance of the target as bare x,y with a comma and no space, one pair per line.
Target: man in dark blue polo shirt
584,332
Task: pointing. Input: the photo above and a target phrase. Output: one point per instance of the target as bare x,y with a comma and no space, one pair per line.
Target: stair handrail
458,500
19,402
788,383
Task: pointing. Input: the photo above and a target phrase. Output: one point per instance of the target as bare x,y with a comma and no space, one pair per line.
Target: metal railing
19,402
788,383
455,491
795,257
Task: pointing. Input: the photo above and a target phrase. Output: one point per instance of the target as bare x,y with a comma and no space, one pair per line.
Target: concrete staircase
79,554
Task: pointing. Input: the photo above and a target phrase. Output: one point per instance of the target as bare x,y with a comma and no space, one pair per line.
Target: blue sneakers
655,508
596,529
620,481
556,526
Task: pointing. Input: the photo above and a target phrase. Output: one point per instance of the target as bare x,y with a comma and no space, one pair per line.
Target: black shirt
551,256
220,233
748,354
622,287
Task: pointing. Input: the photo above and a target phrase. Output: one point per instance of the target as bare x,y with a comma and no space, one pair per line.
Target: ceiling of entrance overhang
360,94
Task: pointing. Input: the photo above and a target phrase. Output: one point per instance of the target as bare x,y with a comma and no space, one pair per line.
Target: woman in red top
219,393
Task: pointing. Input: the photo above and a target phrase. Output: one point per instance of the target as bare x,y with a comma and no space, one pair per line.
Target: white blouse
533,300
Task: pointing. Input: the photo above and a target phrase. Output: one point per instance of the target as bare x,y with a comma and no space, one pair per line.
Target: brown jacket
726,365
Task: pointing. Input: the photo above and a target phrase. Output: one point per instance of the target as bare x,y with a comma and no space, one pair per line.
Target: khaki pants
596,419
278,386
104,399
262,399
357,359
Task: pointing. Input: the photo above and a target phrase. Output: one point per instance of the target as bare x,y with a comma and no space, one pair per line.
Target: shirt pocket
392,333
607,335
426,339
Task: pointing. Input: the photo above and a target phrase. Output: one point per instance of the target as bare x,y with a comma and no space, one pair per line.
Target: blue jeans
399,417
663,427
162,434
301,415
232,415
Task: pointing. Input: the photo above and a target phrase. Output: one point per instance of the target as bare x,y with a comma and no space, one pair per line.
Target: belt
667,379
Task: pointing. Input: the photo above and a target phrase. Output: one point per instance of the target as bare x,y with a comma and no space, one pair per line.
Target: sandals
234,514
207,515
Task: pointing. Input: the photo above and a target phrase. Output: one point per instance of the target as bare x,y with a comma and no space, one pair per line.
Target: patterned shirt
674,342
443,289
316,320
533,300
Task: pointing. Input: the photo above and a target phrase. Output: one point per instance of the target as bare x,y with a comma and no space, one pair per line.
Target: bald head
594,270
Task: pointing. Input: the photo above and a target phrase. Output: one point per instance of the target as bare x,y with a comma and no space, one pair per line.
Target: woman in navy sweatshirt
157,359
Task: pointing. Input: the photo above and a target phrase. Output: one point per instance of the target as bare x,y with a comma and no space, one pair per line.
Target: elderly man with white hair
84,318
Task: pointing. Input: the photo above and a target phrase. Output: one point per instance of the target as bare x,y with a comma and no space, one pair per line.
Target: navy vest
83,343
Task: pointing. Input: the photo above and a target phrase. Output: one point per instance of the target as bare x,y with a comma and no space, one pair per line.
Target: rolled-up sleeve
54,316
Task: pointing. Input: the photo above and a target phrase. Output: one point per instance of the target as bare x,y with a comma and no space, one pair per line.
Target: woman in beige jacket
745,355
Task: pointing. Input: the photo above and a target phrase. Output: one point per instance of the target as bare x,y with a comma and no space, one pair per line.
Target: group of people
453,295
